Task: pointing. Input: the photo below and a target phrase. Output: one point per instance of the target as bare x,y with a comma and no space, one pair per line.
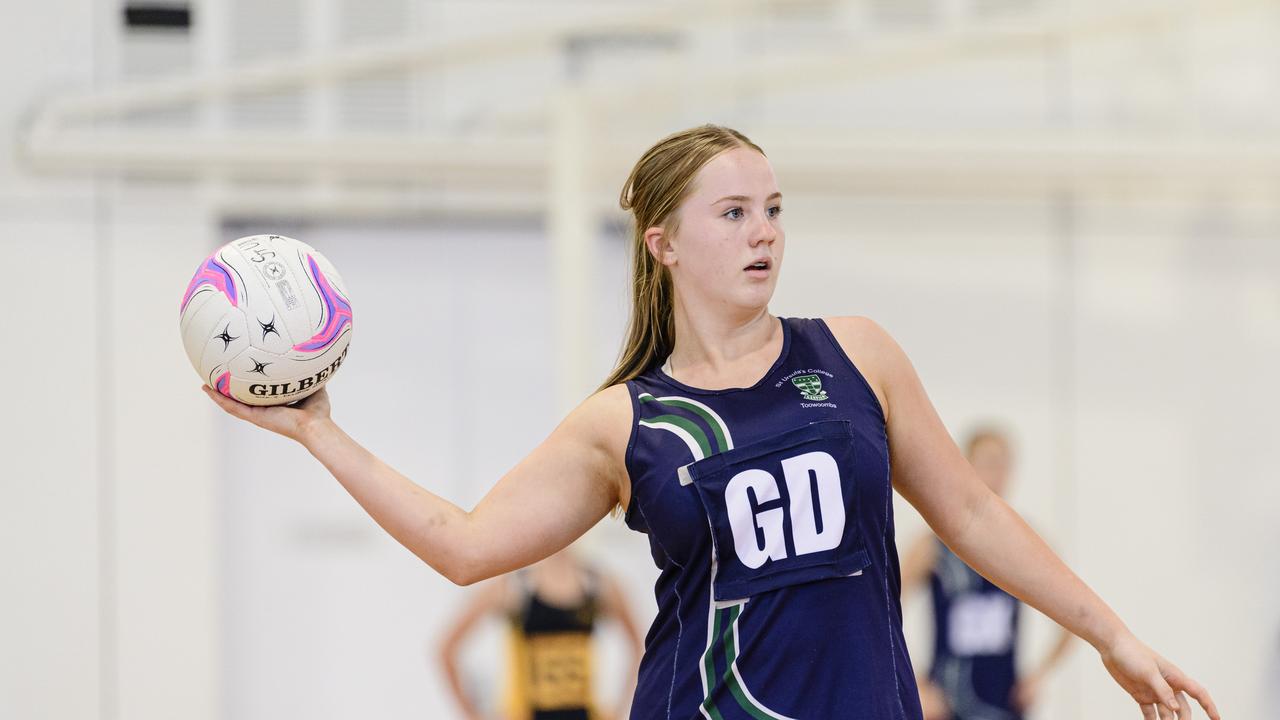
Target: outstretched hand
1158,686
290,421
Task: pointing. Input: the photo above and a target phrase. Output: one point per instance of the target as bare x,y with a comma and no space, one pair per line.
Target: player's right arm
554,495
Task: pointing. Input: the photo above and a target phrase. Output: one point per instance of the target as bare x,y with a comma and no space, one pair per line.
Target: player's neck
713,346
558,578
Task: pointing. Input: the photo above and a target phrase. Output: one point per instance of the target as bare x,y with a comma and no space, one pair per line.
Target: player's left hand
1157,685
290,421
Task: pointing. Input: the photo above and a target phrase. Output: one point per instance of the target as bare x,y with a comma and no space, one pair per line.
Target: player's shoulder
612,403
605,417
864,341
609,417
857,329
871,349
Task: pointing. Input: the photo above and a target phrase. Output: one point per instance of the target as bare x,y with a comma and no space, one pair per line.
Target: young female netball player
758,454
973,674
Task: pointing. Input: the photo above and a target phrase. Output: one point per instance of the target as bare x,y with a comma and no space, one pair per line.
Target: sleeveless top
549,658
769,515
975,635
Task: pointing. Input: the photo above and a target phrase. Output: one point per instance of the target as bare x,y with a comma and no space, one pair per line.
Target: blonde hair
658,184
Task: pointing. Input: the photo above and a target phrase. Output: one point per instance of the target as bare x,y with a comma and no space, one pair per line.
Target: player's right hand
290,421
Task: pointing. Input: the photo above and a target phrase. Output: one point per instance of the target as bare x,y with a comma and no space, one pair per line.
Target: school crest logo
810,387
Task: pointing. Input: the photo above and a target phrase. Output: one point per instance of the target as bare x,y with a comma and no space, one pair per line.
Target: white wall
107,530
163,467
50,435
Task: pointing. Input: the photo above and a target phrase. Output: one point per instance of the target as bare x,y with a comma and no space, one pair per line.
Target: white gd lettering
798,472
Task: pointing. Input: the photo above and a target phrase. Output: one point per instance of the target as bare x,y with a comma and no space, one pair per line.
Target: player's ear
658,241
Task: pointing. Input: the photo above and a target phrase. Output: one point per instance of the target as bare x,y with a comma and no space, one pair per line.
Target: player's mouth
759,268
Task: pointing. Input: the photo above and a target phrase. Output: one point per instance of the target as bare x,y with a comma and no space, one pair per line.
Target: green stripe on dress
717,429
688,426
731,679
709,671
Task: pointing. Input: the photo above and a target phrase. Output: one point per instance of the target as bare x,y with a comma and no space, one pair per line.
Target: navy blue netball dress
769,514
975,638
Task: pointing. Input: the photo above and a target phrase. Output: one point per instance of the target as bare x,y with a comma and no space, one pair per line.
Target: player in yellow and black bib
550,666
551,611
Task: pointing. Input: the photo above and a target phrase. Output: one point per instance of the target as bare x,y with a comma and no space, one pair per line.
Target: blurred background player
550,609
973,675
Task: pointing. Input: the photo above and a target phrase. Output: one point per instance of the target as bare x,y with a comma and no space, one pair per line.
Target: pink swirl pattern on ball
214,274
337,312
223,385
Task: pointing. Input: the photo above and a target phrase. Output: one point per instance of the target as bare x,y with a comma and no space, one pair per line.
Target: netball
266,320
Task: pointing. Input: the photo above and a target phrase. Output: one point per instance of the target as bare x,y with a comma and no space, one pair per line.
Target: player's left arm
934,476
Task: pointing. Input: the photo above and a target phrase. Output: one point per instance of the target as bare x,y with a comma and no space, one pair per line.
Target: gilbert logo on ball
266,320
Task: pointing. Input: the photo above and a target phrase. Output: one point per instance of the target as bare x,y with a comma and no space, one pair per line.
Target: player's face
990,457
728,247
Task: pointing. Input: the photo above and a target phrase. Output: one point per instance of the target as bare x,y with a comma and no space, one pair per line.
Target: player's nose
763,231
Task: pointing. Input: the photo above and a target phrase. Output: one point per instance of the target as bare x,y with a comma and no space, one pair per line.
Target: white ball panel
306,326
263,329
268,333
227,340
201,325
198,300
284,275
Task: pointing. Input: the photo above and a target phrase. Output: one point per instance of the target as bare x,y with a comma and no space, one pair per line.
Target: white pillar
571,237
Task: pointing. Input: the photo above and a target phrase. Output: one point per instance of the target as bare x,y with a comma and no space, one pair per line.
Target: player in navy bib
975,639
973,674
760,463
